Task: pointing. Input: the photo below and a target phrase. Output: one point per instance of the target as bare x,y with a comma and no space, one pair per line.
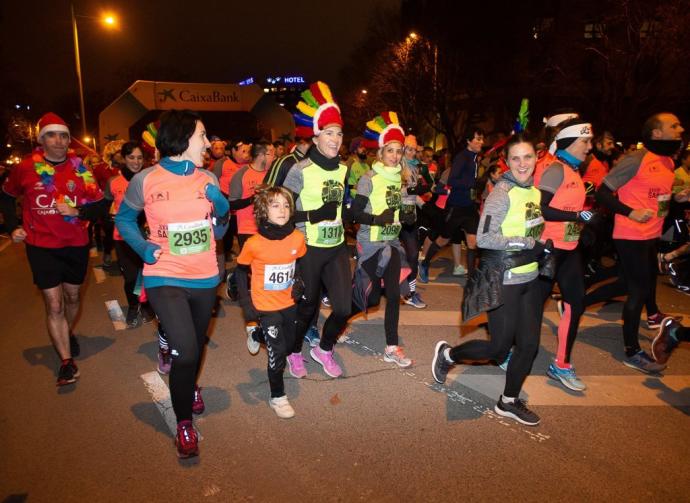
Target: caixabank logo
183,95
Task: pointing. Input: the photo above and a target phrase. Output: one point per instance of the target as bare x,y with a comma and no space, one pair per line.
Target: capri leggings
516,322
185,313
332,267
279,334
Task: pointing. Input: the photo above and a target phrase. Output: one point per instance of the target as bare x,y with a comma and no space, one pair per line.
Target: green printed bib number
330,232
534,227
189,238
279,276
387,232
663,201
572,232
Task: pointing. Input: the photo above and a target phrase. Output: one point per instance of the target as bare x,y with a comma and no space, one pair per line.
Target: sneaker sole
433,362
565,382
282,416
644,371
505,413
185,455
71,381
317,360
388,359
410,303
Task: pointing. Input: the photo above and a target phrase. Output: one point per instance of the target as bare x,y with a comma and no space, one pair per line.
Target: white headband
582,130
555,120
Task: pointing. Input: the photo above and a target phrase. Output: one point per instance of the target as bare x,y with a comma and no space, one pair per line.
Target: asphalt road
378,434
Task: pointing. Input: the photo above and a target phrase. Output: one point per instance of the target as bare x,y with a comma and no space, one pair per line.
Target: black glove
326,212
385,218
541,248
408,218
412,190
297,289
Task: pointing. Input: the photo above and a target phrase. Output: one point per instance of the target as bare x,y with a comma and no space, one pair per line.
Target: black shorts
460,220
52,266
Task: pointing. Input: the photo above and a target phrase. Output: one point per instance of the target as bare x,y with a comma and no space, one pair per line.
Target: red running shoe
186,440
198,406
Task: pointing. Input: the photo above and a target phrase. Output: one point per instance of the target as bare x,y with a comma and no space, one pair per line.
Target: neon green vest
524,219
385,194
321,187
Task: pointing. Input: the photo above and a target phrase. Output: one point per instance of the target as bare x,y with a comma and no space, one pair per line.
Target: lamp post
110,21
413,37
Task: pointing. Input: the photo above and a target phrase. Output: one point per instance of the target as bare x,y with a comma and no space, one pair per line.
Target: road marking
160,394
602,391
99,274
116,315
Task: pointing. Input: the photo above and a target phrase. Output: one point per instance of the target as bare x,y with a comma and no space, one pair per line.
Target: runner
562,203
378,208
183,206
318,185
643,182
59,195
271,256
509,232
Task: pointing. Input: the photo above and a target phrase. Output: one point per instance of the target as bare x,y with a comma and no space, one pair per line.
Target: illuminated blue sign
286,80
246,82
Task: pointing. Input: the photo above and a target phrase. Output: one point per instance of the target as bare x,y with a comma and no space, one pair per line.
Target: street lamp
108,20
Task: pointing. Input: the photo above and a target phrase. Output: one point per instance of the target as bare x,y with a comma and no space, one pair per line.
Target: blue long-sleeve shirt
462,179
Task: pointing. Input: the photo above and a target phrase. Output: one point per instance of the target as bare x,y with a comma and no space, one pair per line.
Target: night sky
193,41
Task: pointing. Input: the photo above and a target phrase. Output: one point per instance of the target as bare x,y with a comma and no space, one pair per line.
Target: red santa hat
51,122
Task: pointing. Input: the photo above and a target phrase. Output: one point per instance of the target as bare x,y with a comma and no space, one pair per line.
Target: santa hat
316,111
382,130
51,122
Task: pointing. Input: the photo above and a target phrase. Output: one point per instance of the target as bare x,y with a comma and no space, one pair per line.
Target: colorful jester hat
316,111
382,130
149,136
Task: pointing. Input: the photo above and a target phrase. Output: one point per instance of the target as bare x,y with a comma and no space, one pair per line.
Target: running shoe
164,361
325,358
74,347
198,406
231,291
504,365
655,320
459,270
414,300
423,273
281,407
68,373
147,314
312,336
517,410
186,440
560,307
326,301
643,362
396,356
295,363
664,343
568,377
133,320
440,366
252,344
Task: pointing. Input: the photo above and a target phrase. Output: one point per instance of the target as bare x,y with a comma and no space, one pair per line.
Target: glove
220,203
538,248
585,216
297,289
408,218
385,218
148,257
326,212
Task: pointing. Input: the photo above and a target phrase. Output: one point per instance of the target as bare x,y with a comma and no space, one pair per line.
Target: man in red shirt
59,195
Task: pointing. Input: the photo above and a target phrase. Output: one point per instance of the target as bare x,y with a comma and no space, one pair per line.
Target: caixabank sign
217,97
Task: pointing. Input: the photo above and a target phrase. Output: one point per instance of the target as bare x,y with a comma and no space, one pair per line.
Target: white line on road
160,394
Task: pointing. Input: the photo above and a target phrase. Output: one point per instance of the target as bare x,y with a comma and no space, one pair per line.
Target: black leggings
332,267
279,334
638,270
571,282
516,321
185,313
130,265
408,240
391,286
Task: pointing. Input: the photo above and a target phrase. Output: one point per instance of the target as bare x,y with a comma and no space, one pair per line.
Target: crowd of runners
563,207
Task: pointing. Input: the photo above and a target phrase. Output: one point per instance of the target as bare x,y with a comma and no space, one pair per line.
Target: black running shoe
68,373
74,347
133,319
517,410
440,366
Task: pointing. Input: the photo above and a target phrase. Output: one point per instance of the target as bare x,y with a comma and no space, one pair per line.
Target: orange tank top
650,188
179,216
245,217
570,196
543,162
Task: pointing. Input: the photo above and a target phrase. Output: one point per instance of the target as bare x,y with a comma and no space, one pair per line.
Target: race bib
572,232
534,227
663,202
279,276
387,232
330,232
189,238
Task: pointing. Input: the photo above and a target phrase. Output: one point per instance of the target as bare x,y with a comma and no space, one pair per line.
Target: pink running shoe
164,361
198,406
186,440
296,367
325,358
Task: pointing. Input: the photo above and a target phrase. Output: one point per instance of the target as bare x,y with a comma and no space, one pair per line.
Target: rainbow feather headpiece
316,111
382,130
